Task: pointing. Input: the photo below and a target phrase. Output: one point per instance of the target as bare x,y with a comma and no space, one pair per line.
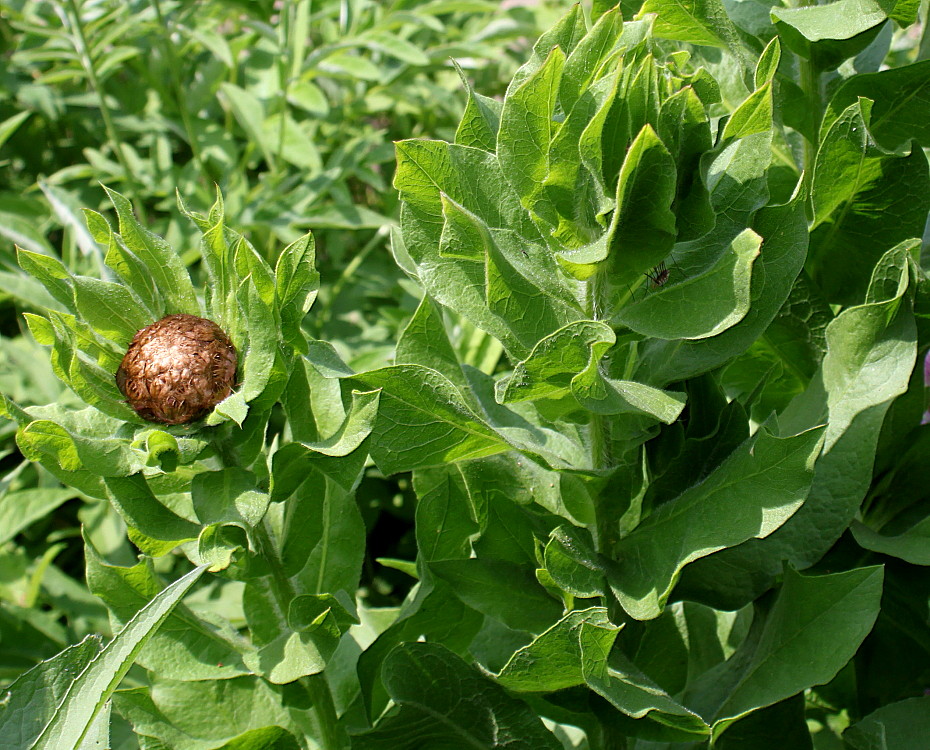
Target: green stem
325,710
811,85
284,591
83,50
602,458
330,735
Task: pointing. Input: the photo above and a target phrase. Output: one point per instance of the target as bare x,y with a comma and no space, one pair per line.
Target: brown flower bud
177,369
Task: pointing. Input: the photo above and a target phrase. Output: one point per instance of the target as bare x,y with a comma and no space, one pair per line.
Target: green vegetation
586,414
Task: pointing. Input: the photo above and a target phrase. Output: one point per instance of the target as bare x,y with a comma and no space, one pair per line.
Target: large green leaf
527,129
784,233
321,533
695,21
865,199
159,259
186,647
900,98
239,713
751,494
897,726
614,678
447,429
56,704
871,351
502,590
704,303
814,627
828,34
568,361
553,660
443,702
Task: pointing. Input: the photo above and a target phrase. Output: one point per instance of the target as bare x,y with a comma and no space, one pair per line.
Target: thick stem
811,84
599,427
331,735
324,709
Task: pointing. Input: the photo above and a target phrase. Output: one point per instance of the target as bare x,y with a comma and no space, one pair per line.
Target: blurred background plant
291,109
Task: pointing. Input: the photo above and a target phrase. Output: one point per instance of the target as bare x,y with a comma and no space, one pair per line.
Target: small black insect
658,276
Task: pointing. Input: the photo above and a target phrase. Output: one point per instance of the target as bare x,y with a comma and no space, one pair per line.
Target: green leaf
784,233
20,508
815,626
901,96
445,523
502,590
111,309
553,660
72,451
736,178
160,260
91,381
480,120
573,198
865,199
567,32
695,21
322,533
912,545
631,692
871,351
358,424
828,34
51,273
296,285
141,509
568,362
458,205
768,62
10,124
186,647
587,60
395,46
50,708
508,289
425,342
442,702
549,370
317,624
574,565
843,19
708,300
228,496
431,610
250,113
752,493
896,726
309,97
439,426
243,713
642,228
753,116
257,362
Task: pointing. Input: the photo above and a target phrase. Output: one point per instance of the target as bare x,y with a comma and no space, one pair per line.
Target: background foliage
507,483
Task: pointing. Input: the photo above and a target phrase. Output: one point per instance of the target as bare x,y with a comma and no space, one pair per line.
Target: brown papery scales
178,369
